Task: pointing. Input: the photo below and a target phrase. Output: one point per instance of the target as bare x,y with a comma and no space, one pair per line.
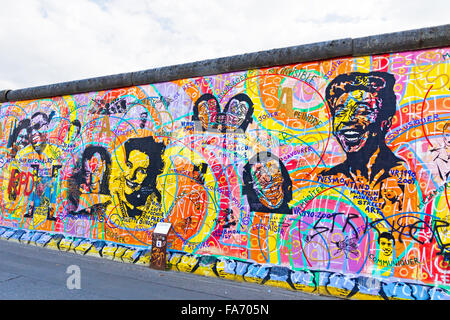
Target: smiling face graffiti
362,105
386,247
135,171
136,186
39,128
386,242
355,121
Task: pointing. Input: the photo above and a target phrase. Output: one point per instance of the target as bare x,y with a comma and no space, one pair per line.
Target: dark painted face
207,112
22,139
355,120
95,168
143,116
236,114
268,183
39,128
73,132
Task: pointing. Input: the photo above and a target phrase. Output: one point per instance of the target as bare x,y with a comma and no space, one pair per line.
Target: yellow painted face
386,247
355,119
135,171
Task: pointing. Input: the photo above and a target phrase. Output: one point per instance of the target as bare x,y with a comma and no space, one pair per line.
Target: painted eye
340,111
129,164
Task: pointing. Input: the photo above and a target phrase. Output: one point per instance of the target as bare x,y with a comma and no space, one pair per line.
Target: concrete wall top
378,44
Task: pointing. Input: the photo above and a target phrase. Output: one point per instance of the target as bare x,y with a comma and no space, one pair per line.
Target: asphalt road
33,273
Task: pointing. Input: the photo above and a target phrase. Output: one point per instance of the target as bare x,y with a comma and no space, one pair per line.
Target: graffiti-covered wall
336,166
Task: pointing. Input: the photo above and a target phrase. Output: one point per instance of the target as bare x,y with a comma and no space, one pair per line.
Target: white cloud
50,41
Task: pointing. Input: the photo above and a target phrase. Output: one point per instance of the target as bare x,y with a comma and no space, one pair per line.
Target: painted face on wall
135,171
95,169
39,128
236,114
207,112
268,183
355,119
73,132
386,246
22,139
143,119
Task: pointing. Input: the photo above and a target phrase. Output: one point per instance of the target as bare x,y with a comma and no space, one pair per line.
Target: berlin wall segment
326,176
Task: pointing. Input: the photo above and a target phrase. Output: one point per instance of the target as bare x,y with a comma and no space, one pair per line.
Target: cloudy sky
51,41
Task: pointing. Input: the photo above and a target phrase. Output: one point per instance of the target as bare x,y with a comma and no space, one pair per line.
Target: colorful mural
337,167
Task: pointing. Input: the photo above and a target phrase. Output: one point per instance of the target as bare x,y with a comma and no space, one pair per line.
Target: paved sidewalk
30,272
